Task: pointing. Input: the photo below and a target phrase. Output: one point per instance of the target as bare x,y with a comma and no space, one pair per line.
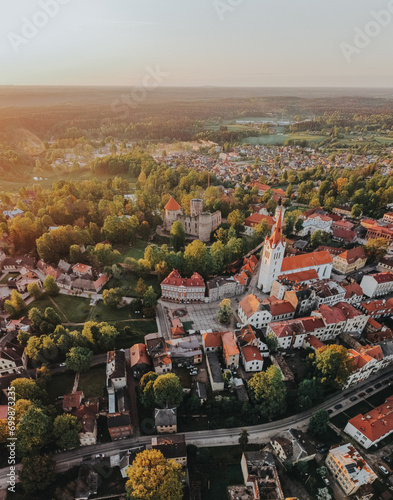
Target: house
349,468
12,359
260,478
172,447
115,370
174,288
177,328
385,264
82,270
139,360
252,358
219,288
344,225
372,427
222,341
294,446
377,308
165,420
367,360
119,425
315,222
246,336
87,482
350,260
17,263
87,416
353,294
22,323
375,285
185,351
290,281
254,220
215,372
72,401
376,231
259,314
157,350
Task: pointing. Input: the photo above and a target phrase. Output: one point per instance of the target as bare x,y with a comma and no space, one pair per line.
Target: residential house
215,372
73,401
254,220
375,285
349,468
157,350
350,260
367,360
116,377
316,222
372,427
172,447
82,270
87,415
252,358
12,359
224,342
293,445
185,351
377,308
165,420
139,360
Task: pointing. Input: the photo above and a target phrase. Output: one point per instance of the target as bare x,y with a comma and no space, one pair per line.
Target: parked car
193,372
370,389
100,456
388,460
330,411
337,407
362,394
384,470
353,398
377,386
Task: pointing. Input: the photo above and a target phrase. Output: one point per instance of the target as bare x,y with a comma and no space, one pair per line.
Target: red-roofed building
372,427
353,293
82,270
251,358
222,341
315,222
313,342
350,260
254,220
344,235
174,288
259,314
139,360
385,232
366,361
343,224
172,206
375,285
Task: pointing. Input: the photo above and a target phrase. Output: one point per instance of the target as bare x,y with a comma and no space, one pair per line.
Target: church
274,264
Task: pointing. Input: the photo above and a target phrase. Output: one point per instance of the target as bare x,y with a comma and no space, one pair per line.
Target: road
218,437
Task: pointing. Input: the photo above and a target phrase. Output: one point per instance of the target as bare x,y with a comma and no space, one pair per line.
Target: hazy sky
197,42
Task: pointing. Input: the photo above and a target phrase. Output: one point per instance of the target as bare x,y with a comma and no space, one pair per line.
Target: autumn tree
112,297
51,287
37,473
33,431
225,311
140,288
146,386
376,249
236,220
15,305
334,365
153,477
66,429
195,256
34,290
168,391
79,359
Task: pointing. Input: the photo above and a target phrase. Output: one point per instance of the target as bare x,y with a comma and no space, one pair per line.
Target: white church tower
272,256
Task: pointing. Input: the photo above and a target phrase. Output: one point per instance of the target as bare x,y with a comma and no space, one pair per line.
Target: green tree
356,211
146,386
376,249
218,254
243,439
261,230
112,297
141,288
66,429
51,287
33,431
225,312
334,365
319,423
26,388
34,290
168,391
178,236
79,359
37,473
302,467
268,391
153,477
75,254
150,298
195,256
272,343
15,305
318,238
310,392
236,220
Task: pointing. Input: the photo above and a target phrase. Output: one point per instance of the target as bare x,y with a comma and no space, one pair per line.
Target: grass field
135,333
4,281
60,384
71,309
137,251
93,382
280,139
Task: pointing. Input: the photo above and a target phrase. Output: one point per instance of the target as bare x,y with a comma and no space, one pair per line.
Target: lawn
71,309
219,479
93,382
137,251
60,384
280,139
101,312
135,334
128,283
4,281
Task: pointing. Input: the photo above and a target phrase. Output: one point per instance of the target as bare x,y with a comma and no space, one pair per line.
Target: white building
374,426
375,285
252,358
315,222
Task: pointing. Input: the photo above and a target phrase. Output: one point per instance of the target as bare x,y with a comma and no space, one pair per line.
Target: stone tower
272,257
172,212
196,207
205,226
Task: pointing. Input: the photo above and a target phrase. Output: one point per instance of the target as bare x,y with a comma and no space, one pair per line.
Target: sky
251,43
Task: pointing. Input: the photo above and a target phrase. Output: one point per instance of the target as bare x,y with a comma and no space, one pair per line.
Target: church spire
276,237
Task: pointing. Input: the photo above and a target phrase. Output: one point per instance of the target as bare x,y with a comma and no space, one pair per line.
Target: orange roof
175,279
255,219
353,255
251,353
276,237
250,305
82,268
307,260
301,276
377,422
241,278
172,205
212,339
353,289
138,355
229,344
314,342
278,307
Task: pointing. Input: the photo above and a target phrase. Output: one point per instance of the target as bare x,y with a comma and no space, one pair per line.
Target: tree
310,392
51,287
319,423
323,494
140,288
168,391
268,390
34,290
334,365
225,312
26,388
272,343
178,236
302,467
15,305
66,429
33,431
100,336
376,249
195,256
322,471
147,389
243,439
149,299
112,297
79,359
218,254
153,477
356,211
236,220
75,254
37,473
318,238
261,230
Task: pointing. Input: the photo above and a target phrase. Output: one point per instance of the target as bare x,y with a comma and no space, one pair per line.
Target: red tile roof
300,277
344,234
172,205
383,277
287,328
314,342
255,219
251,353
353,289
353,255
377,422
307,260
212,339
175,279
278,307
139,355
229,344
250,305
347,310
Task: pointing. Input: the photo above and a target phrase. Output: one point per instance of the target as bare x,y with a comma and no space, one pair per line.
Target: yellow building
350,260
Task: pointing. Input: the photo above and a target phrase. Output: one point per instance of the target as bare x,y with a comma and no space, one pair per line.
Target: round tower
196,207
204,226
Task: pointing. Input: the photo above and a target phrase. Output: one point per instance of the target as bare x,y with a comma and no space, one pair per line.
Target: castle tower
272,257
196,207
205,226
172,211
